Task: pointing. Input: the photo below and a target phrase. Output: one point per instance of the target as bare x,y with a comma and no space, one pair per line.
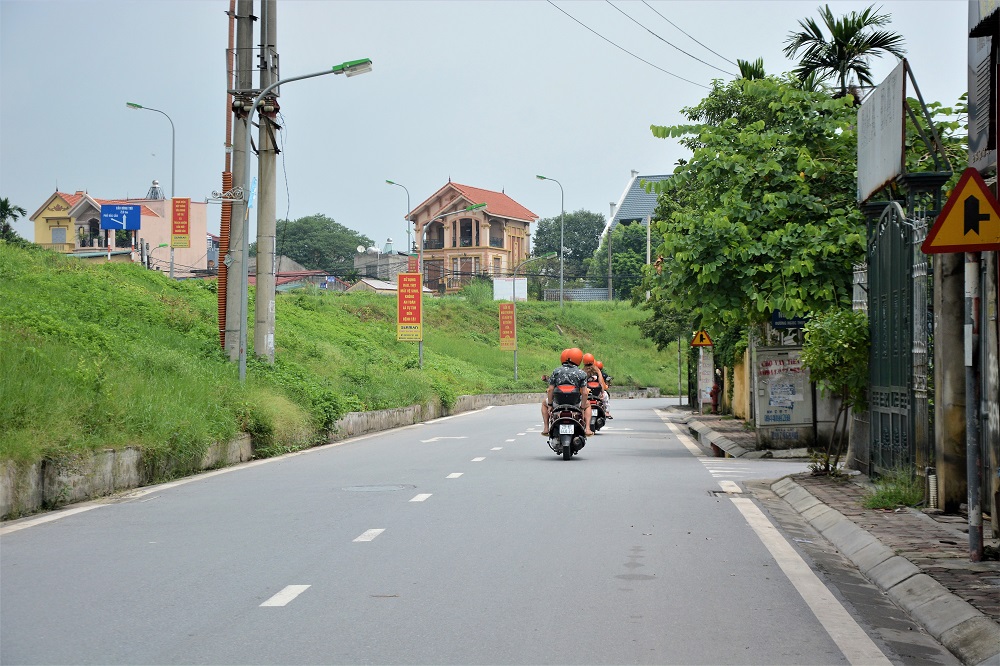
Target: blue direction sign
120,216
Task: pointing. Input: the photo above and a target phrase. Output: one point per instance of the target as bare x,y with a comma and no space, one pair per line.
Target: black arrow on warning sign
972,215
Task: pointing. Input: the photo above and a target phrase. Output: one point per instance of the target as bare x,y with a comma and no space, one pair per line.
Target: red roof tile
497,203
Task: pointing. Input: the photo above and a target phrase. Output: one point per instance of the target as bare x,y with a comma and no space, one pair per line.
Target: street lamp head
391,183
133,105
475,207
353,67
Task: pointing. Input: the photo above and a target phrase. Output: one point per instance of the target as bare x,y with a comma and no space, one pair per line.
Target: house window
58,234
496,265
465,229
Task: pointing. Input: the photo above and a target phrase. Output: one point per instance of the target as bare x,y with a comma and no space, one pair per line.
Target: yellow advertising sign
969,222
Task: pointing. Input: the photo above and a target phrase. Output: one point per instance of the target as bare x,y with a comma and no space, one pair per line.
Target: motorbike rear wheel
567,446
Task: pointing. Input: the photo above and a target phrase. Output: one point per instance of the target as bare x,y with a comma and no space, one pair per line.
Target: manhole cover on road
378,489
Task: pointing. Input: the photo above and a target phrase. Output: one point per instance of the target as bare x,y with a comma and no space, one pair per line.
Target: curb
707,436
955,623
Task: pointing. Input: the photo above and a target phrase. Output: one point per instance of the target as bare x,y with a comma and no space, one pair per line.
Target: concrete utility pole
263,332
949,379
238,229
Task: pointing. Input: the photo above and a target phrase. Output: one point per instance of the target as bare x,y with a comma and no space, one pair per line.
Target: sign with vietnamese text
409,322
508,327
180,227
120,216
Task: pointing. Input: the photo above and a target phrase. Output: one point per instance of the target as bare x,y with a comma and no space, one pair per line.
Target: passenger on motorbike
567,374
607,393
592,371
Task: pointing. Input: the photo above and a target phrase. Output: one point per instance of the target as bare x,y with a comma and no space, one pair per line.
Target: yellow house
71,224
492,240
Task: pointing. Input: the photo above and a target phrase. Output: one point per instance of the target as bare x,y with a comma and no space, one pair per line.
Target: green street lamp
349,68
409,243
562,227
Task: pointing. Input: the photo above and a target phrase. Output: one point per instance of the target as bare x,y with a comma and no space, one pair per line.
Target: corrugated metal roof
635,204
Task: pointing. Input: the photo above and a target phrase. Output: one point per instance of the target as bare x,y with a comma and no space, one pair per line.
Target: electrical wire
667,42
689,36
288,197
626,50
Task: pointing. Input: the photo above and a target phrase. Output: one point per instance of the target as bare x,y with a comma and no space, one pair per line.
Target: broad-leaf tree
762,216
319,243
581,235
628,259
843,51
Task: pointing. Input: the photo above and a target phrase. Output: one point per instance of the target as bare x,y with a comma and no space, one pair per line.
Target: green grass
895,489
97,356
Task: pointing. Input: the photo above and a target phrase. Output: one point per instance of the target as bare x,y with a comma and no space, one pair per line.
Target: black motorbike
598,408
567,431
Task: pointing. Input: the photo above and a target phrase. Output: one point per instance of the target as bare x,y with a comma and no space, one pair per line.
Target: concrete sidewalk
920,560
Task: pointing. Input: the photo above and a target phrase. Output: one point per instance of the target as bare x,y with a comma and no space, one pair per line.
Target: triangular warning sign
701,339
969,222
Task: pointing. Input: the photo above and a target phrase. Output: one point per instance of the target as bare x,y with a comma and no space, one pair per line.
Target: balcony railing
496,242
65,248
430,244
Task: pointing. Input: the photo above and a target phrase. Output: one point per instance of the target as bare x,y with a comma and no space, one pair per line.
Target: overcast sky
488,94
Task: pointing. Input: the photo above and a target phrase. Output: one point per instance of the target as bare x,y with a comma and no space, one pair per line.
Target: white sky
487,93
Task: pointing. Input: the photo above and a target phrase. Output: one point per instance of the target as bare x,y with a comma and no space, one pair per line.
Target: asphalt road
460,541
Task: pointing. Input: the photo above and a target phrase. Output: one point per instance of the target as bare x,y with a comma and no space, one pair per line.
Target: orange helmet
600,366
588,359
574,356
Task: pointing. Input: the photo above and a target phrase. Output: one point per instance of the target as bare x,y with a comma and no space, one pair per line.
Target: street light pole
514,299
562,231
409,243
349,68
173,143
420,263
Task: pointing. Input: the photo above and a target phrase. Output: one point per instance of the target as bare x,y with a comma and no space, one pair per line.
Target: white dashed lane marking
454,475
480,459
497,448
421,497
508,440
730,487
286,595
370,534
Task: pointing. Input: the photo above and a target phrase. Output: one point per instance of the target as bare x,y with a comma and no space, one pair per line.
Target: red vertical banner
180,229
412,264
409,322
508,327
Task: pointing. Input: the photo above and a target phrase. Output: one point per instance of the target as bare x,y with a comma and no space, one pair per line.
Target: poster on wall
784,397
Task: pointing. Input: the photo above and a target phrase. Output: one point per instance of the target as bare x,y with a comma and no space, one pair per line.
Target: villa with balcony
488,241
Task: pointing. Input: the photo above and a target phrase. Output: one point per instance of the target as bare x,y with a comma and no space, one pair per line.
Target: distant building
492,240
635,204
71,224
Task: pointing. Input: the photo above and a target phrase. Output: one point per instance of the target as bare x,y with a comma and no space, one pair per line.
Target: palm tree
751,70
853,40
9,213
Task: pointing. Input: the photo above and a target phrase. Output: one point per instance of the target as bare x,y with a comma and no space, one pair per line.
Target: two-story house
71,224
491,240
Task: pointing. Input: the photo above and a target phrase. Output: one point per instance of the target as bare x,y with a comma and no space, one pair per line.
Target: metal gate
890,308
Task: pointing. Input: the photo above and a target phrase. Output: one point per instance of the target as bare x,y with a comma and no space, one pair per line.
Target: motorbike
567,431
598,408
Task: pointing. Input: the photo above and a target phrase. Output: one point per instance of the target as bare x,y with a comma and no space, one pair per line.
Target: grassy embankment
96,356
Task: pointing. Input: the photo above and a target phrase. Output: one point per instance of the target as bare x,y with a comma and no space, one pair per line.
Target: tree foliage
319,243
581,234
843,51
762,217
836,352
10,213
628,259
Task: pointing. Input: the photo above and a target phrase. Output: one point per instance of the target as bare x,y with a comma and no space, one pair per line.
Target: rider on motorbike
607,393
593,372
567,373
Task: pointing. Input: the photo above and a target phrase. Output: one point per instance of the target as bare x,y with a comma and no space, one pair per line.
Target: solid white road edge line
286,595
730,487
852,640
369,535
685,439
421,497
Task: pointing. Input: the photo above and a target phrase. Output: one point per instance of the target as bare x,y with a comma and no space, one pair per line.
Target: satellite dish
361,249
